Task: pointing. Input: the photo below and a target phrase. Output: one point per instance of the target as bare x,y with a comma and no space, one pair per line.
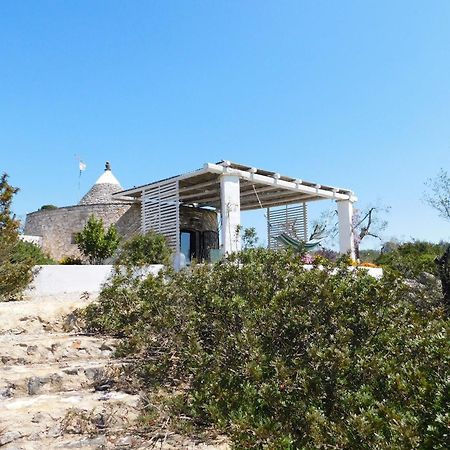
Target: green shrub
144,249
97,243
369,255
15,275
279,357
70,261
47,207
412,258
25,250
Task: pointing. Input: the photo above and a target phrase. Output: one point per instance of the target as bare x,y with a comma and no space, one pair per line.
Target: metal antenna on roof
82,167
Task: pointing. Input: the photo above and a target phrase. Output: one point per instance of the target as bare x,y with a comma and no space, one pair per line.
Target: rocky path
56,387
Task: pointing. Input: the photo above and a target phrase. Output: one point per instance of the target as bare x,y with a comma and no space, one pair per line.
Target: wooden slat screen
290,219
160,211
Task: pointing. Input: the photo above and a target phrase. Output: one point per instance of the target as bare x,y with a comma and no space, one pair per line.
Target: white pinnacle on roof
107,176
103,189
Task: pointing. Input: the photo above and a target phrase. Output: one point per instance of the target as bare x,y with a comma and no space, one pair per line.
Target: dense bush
279,357
47,207
369,255
144,249
71,261
412,258
96,242
14,275
26,250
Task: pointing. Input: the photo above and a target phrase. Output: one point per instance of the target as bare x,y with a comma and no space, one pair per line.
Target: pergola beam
274,181
286,201
200,194
216,198
195,187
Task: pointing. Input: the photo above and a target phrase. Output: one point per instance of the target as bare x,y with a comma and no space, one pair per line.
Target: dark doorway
197,244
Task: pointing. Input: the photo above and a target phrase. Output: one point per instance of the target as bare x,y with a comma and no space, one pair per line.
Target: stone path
56,389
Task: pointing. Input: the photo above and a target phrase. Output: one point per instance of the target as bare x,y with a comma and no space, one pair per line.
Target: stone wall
129,223
198,219
57,227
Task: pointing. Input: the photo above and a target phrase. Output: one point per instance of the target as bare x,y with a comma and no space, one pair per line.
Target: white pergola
231,188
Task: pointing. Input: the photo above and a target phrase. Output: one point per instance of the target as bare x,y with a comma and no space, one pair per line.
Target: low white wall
62,280
72,281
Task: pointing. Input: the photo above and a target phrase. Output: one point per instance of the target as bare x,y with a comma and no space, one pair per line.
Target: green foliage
70,261
144,249
14,275
369,255
280,357
26,250
412,258
437,194
249,238
47,207
95,242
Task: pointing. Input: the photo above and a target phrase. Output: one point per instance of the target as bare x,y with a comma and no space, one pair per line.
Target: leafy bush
26,250
327,253
412,258
144,249
249,237
280,357
70,261
368,255
47,207
15,275
97,243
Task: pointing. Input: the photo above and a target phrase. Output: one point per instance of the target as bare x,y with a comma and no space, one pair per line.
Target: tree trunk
443,264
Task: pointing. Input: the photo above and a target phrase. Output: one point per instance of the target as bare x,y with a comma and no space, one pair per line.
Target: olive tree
15,274
96,242
437,194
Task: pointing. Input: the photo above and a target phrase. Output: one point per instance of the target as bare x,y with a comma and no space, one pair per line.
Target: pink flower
307,259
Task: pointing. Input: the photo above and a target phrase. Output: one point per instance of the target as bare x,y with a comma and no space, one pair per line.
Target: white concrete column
346,237
230,204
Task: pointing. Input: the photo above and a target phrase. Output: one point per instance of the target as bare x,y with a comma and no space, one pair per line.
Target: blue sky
349,93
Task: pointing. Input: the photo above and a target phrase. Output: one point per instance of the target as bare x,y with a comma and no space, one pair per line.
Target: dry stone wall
57,227
198,219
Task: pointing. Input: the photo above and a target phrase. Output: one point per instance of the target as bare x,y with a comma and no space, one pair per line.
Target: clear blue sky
350,93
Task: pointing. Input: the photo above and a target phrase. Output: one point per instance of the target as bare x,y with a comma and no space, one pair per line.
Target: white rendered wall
230,200
63,280
345,217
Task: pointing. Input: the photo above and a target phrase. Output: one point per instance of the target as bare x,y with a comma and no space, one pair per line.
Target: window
185,241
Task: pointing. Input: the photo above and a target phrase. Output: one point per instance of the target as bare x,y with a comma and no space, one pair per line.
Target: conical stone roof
103,189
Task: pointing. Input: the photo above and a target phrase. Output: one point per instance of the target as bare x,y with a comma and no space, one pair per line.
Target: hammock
314,241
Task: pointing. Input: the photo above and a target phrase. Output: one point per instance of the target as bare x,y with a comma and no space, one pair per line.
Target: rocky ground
58,389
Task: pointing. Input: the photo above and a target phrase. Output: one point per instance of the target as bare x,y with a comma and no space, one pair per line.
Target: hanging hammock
314,241
288,240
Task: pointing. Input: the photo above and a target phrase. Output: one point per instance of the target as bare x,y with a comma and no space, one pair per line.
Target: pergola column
346,234
230,201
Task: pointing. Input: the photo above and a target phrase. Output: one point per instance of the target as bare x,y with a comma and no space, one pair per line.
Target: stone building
56,228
